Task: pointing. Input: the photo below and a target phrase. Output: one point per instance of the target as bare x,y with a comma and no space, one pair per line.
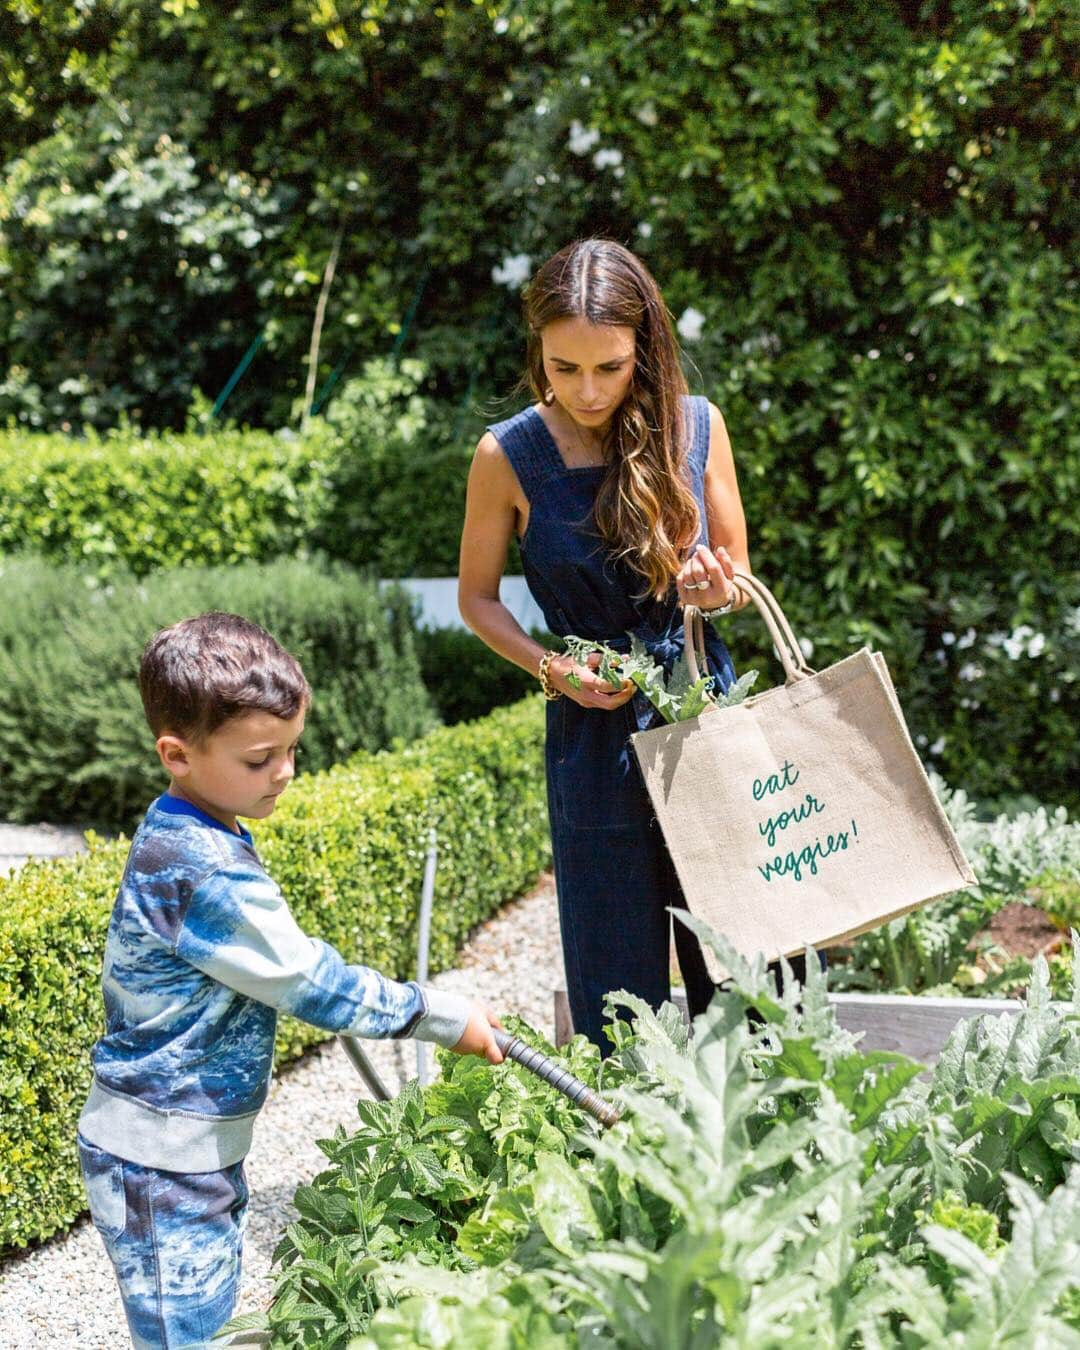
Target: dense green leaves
922,952
861,218
126,501
73,748
765,1187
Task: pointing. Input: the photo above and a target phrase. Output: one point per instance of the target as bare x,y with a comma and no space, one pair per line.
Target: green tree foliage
859,213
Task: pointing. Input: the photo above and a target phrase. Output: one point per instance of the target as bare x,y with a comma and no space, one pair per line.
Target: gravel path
63,1294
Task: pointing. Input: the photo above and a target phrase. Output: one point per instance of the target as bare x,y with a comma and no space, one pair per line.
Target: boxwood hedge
160,499
348,848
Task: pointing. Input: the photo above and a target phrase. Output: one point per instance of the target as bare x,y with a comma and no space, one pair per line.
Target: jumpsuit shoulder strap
697,418
525,443
696,409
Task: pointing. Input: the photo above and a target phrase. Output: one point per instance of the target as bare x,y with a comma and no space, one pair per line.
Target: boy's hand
478,1038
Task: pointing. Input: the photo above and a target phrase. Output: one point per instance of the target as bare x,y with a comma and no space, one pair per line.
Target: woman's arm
494,504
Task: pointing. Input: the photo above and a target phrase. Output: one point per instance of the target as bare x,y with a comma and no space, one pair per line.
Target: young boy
201,953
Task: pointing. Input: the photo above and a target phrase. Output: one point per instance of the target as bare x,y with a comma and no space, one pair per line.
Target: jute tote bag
801,815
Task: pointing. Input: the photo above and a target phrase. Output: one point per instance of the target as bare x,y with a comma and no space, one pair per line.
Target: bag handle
784,640
793,647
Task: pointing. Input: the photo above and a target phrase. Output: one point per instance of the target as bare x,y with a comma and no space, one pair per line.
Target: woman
622,491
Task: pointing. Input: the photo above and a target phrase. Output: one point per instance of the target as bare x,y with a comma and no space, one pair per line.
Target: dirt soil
1023,930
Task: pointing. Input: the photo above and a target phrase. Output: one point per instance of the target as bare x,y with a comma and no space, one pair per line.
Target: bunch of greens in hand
675,697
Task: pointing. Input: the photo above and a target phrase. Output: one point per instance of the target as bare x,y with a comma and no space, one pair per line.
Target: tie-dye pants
175,1241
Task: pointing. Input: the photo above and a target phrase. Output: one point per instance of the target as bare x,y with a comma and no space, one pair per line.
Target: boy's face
240,770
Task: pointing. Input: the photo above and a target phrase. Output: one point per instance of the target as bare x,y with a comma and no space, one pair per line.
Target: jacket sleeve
237,928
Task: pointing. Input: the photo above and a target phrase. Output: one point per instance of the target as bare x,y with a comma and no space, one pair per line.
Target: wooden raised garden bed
910,1024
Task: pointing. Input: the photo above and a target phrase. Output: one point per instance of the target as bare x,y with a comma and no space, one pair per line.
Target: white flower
765,405
968,640
607,158
582,139
971,671
947,639
920,739
938,746
873,354
690,324
1036,645
646,114
513,271
502,23
807,647
940,657
645,229
1055,694
1017,642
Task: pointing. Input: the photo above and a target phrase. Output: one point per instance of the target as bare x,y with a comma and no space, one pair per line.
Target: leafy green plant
674,696
768,1185
923,952
127,502
74,743
1057,894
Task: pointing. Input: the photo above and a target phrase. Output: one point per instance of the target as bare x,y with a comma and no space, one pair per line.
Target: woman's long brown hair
645,510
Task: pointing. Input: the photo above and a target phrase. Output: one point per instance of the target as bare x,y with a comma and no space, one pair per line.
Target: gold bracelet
550,692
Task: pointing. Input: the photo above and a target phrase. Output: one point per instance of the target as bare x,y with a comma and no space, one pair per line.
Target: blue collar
177,806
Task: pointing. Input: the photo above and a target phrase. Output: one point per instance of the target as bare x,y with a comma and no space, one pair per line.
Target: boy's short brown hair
199,673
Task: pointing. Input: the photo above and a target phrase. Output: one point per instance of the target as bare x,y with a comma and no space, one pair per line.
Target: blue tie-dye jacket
201,952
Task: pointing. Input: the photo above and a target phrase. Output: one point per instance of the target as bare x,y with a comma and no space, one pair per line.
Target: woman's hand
594,692
705,579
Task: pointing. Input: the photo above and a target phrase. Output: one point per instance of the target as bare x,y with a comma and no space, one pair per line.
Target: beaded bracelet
550,692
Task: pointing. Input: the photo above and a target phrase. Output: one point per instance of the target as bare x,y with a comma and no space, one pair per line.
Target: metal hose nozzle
557,1077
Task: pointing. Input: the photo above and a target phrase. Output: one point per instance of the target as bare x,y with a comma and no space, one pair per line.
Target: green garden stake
234,378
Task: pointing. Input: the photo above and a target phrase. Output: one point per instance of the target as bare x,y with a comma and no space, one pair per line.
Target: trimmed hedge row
74,744
142,502
347,847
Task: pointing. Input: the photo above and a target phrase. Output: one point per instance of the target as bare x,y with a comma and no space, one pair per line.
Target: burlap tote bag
801,815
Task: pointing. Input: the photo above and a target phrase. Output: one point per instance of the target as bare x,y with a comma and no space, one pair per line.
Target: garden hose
560,1079
365,1068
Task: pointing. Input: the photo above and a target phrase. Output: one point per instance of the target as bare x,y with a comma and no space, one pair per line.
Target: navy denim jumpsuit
613,873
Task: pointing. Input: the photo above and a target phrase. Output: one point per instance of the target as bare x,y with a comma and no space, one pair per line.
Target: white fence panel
438,600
